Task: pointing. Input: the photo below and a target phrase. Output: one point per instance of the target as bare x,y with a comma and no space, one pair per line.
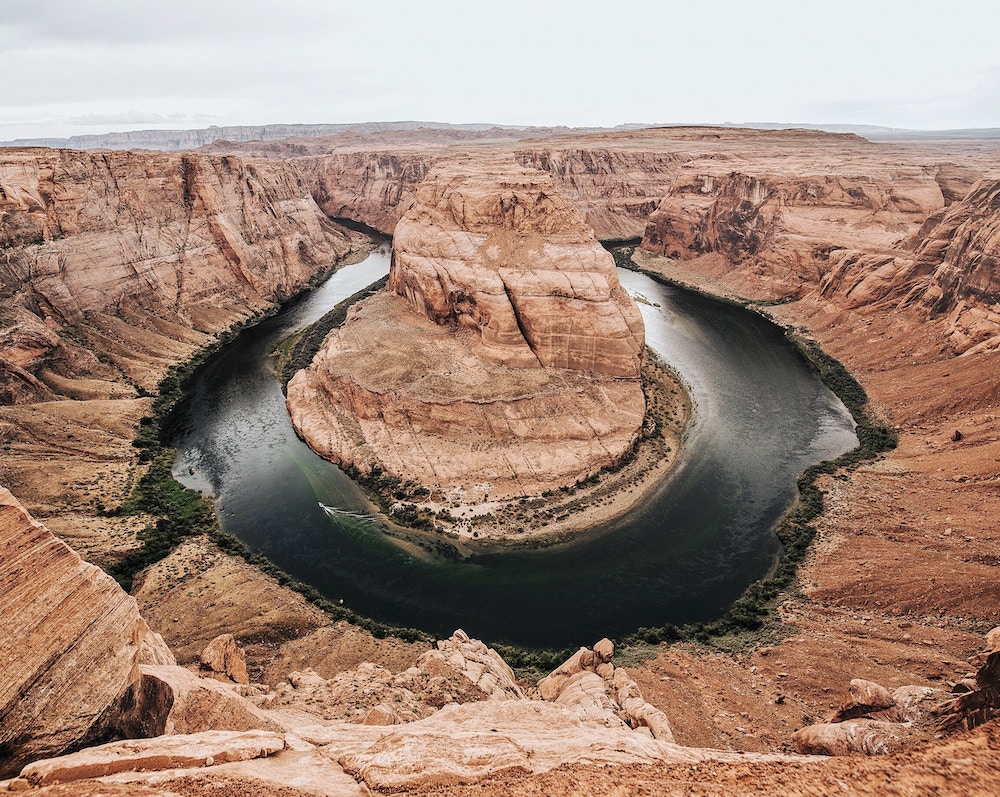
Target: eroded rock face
505,353
69,641
962,254
781,226
495,248
138,250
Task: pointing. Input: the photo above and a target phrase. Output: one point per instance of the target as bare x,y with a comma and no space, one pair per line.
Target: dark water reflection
761,417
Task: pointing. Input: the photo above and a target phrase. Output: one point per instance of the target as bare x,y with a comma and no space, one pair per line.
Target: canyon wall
505,353
374,188
175,246
778,229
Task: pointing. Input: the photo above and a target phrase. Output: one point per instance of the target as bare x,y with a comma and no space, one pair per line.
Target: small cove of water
761,417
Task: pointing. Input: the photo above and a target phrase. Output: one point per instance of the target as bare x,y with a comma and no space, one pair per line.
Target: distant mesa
503,354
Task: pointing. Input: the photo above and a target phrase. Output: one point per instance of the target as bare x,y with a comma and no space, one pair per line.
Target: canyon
116,266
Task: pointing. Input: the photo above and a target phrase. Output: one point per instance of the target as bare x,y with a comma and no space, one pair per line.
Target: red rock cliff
92,240
504,357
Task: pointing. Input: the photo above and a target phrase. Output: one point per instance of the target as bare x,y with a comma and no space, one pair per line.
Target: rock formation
871,721
372,187
505,352
69,641
589,683
139,253
223,657
457,670
150,755
893,285
977,698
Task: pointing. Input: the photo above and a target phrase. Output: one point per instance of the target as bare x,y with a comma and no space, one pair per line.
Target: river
761,416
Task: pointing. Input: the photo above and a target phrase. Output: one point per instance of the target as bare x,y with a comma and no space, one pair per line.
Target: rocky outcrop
977,698
871,721
470,742
505,353
178,701
224,657
457,670
590,684
69,641
854,737
962,255
133,252
373,695
481,665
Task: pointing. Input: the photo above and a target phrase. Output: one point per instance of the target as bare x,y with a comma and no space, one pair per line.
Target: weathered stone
69,641
863,698
552,684
586,694
164,752
186,703
589,683
380,715
867,737
224,656
604,650
155,651
483,666
472,741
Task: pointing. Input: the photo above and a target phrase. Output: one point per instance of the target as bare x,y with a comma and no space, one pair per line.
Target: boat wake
342,514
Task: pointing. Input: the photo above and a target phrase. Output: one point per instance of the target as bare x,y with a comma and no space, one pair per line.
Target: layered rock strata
505,353
69,641
135,255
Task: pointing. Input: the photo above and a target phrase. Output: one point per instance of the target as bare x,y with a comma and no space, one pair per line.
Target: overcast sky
93,66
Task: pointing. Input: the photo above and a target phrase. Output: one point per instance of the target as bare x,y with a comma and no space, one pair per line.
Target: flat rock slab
162,752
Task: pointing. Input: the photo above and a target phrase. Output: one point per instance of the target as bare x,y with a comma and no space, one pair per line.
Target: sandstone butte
884,253
501,361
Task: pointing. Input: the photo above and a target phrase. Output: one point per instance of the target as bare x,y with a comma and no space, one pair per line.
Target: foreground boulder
164,752
871,721
69,641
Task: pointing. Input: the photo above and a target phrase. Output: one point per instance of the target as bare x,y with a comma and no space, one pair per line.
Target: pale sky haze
93,66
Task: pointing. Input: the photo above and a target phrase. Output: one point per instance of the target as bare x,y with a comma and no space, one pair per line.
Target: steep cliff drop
502,361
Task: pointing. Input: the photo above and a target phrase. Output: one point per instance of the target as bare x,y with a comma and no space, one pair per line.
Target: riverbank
463,529
559,515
